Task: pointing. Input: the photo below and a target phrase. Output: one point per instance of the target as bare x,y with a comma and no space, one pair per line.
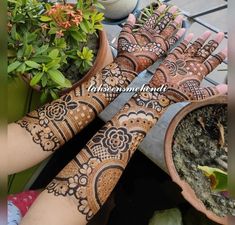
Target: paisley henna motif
65,117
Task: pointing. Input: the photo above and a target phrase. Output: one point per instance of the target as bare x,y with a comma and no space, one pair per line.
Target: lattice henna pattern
185,67
65,117
57,122
90,178
112,147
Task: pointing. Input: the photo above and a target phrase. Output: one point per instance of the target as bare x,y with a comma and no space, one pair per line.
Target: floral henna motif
177,67
44,137
184,69
68,115
56,111
57,122
90,178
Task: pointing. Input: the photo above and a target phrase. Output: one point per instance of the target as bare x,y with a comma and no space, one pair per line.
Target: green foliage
149,10
218,178
44,37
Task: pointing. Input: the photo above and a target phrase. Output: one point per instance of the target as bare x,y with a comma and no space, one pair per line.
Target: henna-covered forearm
89,179
57,122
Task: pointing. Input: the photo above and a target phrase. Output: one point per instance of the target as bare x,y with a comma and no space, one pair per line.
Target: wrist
157,101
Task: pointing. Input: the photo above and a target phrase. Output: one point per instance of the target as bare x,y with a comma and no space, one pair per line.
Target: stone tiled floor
153,144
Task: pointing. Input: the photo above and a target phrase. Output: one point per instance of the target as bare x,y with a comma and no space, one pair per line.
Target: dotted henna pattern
65,117
57,122
185,67
90,177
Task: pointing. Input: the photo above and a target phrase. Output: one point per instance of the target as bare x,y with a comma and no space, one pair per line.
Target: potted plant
52,56
196,154
55,47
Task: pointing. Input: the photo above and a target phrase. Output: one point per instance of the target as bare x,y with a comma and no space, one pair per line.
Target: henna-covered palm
140,49
187,65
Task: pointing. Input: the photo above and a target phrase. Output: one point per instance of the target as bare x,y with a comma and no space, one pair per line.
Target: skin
49,127
76,194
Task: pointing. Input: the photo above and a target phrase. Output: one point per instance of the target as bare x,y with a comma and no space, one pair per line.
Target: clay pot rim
103,44
187,192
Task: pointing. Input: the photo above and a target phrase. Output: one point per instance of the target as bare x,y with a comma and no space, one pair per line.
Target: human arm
43,131
87,181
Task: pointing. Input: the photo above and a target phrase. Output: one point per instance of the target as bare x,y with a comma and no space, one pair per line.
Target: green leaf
60,43
67,83
167,217
99,5
45,18
53,63
44,96
13,66
53,30
54,95
41,59
20,53
54,53
99,17
21,68
32,64
78,36
36,79
98,27
218,178
57,77
44,81
28,51
84,27
42,49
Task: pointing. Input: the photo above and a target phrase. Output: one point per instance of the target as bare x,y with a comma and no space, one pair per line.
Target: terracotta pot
187,191
118,9
103,58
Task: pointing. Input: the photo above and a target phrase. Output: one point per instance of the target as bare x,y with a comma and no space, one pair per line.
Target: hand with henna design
186,66
142,48
83,186
49,127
